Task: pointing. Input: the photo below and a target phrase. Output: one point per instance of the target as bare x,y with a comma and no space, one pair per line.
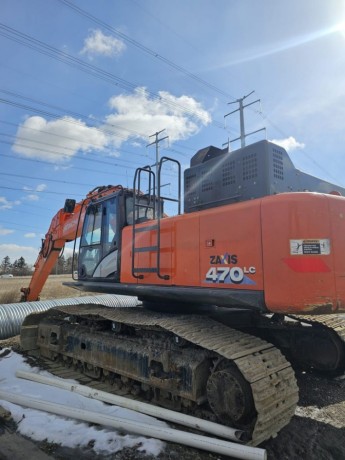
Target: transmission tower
240,109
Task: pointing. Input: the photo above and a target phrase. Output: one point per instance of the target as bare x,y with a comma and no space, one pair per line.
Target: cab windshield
99,241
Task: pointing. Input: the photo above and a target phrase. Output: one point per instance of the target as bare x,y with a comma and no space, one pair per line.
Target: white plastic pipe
167,434
159,412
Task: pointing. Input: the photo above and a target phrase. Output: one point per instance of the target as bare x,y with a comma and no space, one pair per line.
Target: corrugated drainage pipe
12,315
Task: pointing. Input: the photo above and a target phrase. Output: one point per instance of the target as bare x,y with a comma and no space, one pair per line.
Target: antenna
241,108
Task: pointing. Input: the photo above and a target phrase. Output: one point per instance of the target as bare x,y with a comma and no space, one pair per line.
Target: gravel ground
316,432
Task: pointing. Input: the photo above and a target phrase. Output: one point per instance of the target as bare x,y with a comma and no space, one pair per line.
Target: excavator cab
109,212
100,241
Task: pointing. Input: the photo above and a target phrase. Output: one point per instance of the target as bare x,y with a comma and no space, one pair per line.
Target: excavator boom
63,228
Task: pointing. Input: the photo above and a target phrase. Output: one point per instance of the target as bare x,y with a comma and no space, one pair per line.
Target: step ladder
155,202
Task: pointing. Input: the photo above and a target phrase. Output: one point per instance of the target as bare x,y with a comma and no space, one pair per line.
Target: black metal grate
250,167
228,174
206,183
278,165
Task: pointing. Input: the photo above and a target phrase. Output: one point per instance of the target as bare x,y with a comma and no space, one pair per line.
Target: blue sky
83,85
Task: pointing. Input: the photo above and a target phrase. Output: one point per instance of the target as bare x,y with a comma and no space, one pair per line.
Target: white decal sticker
310,247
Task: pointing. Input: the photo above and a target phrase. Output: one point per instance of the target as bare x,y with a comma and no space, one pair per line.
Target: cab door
100,241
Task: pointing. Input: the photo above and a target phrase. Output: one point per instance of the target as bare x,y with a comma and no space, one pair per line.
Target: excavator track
334,322
269,374
334,326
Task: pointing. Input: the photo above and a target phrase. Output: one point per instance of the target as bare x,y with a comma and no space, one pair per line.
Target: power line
74,122
164,24
120,150
28,204
79,168
240,109
38,191
48,50
69,157
156,143
46,179
76,156
36,206
58,116
144,48
33,147
33,109
19,225
73,114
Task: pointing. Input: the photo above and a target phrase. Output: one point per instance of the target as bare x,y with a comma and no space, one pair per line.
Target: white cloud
135,117
30,235
105,45
289,144
31,197
5,231
57,140
5,204
181,116
14,252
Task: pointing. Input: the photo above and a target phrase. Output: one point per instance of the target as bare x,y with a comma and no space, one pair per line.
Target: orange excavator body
287,246
270,251
253,267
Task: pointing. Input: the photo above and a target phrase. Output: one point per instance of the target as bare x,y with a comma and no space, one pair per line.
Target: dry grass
53,289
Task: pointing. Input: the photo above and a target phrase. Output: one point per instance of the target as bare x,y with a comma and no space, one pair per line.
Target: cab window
111,230
142,212
92,233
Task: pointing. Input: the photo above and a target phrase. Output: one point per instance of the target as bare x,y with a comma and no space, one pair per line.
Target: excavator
238,290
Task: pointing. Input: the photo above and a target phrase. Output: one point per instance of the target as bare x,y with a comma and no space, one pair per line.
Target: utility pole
227,144
241,108
156,142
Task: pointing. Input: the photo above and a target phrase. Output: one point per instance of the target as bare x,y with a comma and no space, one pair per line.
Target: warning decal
310,247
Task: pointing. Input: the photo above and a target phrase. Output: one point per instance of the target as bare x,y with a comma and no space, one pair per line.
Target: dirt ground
53,288
316,432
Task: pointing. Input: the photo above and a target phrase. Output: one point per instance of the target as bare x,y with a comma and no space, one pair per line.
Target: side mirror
69,205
